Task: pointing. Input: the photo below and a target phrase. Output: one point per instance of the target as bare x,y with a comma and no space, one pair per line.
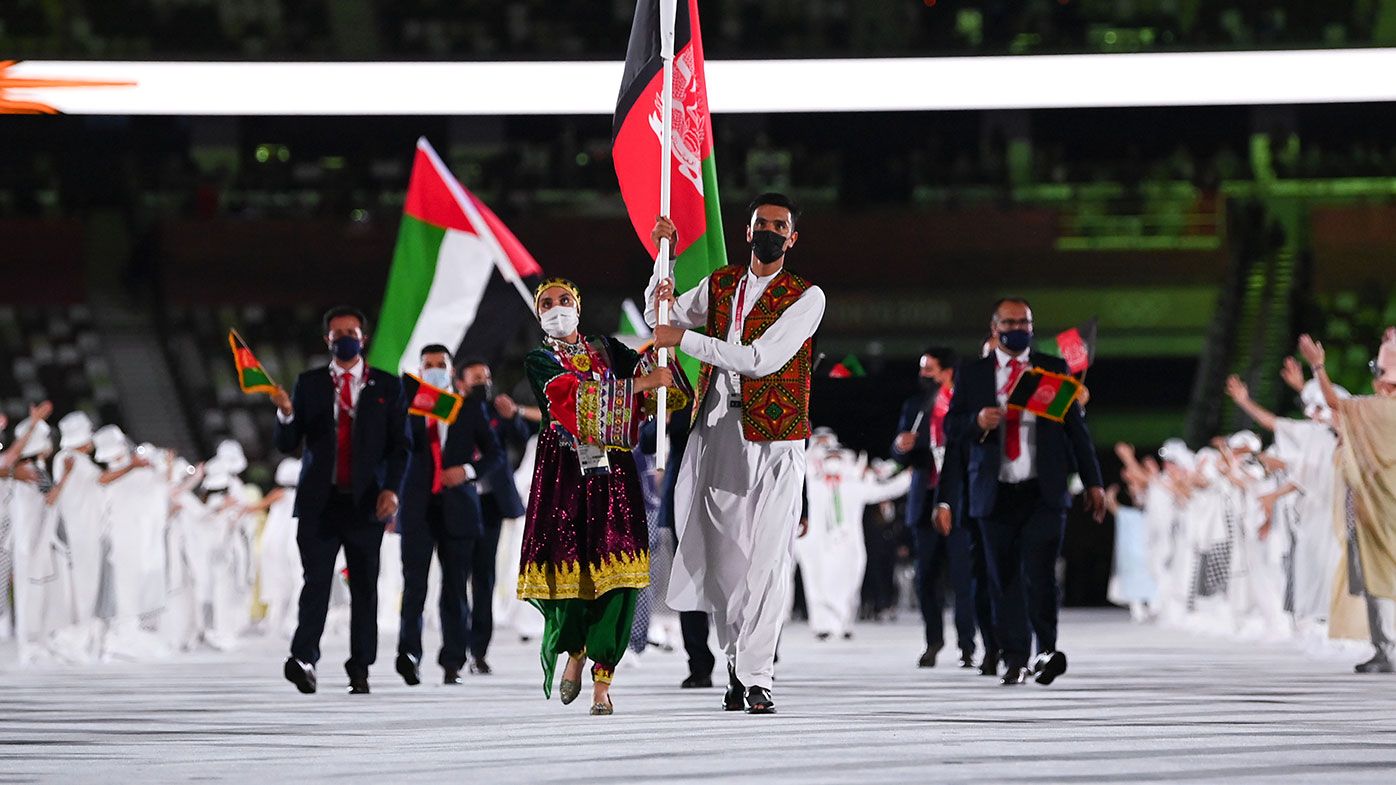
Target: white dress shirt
358,373
1025,468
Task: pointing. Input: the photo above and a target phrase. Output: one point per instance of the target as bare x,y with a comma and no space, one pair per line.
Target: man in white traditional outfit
42,600
136,501
738,492
1307,448
79,499
1367,471
832,554
280,560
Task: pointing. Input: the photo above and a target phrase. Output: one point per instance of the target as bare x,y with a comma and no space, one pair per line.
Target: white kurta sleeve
690,308
773,349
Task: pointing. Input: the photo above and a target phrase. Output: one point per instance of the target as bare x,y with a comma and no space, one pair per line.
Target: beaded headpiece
558,282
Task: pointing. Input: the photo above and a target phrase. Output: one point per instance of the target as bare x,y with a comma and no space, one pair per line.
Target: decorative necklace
576,354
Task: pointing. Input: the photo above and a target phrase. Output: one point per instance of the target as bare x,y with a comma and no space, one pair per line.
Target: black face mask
927,383
767,246
480,392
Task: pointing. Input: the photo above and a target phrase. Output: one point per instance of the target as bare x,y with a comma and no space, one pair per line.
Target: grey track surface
1139,705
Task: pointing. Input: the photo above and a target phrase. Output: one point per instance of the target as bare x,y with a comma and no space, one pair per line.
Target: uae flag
1077,346
636,146
1045,394
457,277
252,377
433,402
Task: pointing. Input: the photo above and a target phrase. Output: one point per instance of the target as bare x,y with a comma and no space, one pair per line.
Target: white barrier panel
734,86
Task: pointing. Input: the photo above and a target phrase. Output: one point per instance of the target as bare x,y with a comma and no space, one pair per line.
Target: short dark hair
472,359
436,348
1020,300
944,356
776,200
343,310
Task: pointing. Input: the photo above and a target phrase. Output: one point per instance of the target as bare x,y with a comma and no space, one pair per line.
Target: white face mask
560,321
437,377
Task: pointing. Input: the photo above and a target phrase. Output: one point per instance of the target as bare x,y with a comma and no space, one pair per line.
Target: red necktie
434,436
1013,418
343,476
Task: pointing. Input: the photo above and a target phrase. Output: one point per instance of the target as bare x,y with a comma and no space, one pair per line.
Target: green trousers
599,627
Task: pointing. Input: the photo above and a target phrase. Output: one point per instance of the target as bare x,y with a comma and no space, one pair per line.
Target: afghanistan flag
1077,346
456,273
636,146
434,402
848,368
1045,394
252,377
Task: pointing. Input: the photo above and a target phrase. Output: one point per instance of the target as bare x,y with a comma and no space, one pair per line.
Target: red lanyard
739,319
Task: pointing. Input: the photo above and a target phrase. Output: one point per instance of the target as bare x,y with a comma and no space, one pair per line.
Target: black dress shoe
358,685
928,659
480,667
989,667
1377,664
734,699
848,636
696,682
1014,677
301,674
1049,665
822,636
758,701
452,676
407,667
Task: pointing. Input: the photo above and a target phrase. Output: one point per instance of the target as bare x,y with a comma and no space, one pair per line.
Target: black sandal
759,701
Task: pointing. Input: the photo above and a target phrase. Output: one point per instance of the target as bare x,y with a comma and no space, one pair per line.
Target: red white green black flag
252,377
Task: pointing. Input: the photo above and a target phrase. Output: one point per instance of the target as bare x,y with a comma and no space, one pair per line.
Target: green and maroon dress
585,548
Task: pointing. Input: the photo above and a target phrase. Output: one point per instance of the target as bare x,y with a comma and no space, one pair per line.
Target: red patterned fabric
774,407
1013,419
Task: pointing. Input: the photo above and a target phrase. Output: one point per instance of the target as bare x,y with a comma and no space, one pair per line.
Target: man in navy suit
441,512
350,421
921,433
1016,468
499,500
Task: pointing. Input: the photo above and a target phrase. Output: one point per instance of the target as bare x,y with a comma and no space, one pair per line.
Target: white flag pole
667,12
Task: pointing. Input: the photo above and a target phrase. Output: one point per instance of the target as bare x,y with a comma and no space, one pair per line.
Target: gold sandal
603,709
569,690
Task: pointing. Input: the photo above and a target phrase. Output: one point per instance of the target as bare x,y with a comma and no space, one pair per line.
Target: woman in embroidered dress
585,551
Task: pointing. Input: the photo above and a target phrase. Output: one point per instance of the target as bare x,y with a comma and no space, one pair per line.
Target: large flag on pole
635,142
457,273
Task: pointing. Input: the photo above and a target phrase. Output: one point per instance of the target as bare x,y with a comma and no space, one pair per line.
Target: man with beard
739,488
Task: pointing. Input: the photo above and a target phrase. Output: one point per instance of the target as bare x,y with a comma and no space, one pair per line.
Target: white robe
137,503
833,554
42,582
279,563
1309,449
509,610
737,503
182,623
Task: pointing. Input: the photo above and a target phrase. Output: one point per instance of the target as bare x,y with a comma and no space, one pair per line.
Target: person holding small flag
350,422
1015,416
452,446
585,552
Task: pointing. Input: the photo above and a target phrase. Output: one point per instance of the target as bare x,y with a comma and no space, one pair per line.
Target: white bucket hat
75,430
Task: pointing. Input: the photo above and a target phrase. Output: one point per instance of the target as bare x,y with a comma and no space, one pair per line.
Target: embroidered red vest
775,407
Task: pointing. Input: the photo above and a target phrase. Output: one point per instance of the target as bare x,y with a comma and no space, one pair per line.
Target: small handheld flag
1045,394
434,402
1077,346
252,377
848,368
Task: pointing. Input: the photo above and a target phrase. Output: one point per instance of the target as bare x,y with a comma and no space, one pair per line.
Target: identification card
593,459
